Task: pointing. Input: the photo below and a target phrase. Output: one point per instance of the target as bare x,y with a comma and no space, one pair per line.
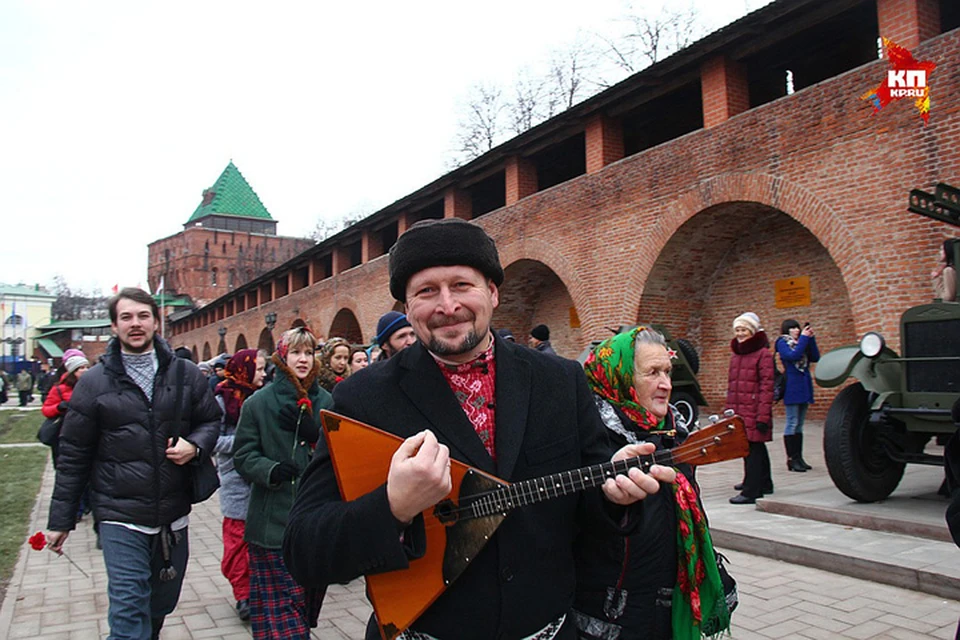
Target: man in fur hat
463,392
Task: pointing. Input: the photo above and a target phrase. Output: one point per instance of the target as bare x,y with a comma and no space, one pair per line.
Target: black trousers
757,470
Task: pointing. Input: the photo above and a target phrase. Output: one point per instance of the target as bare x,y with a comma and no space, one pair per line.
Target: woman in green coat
278,429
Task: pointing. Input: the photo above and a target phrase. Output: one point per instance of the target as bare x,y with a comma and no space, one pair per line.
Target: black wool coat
524,578
116,439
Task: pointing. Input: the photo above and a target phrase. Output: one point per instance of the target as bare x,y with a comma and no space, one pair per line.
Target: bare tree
531,103
569,75
75,305
327,227
482,126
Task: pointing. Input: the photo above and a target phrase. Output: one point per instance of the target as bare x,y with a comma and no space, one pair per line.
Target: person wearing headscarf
662,581
278,429
75,364
334,363
750,395
242,376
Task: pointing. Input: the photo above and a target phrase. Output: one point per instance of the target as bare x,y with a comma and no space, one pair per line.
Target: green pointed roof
230,195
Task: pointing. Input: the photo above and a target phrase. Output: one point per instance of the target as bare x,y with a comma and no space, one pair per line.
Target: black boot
799,453
793,455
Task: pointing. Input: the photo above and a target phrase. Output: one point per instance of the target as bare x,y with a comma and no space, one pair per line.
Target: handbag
204,479
49,431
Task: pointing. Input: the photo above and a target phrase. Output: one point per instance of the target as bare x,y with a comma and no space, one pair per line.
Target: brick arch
346,325
826,225
265,341
206,351
241,343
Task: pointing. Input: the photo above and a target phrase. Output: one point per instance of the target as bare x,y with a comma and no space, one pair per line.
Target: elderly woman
278,429
662,581
750,395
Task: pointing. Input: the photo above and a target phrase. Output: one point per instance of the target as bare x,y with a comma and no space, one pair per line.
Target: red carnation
38,541
305,402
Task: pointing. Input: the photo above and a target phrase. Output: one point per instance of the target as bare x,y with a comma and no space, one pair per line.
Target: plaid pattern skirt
280,609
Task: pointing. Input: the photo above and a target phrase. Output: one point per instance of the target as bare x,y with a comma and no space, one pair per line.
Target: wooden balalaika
459,526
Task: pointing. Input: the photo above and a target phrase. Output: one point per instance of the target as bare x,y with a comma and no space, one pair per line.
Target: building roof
91,323
50,347
230,195
34,291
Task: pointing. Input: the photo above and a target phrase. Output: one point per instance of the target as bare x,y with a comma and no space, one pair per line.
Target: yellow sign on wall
574,318
792,292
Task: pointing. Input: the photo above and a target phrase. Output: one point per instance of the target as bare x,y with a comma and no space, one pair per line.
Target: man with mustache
121,435
463,392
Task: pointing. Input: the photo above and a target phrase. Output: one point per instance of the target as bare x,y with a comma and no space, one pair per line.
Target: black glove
763,427
289,415
286,470
62,407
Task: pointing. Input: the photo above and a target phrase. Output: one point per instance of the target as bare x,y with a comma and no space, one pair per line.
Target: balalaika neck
505,499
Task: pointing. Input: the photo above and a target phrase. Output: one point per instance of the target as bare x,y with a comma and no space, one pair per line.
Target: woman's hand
636,485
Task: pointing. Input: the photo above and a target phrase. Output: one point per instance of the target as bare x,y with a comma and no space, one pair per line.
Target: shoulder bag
204,480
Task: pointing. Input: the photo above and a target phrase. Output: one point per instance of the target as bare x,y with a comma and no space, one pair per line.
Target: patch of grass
20,472
19,426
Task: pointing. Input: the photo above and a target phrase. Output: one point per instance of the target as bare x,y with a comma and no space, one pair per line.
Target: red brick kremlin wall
694,231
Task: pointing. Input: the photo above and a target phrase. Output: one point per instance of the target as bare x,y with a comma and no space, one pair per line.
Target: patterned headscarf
237,385
609,370
698,597
328,377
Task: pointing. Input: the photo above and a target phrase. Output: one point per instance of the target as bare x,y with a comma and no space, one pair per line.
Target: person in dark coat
628,587
393,334
461,392
119,436
798,350
540,339
750,395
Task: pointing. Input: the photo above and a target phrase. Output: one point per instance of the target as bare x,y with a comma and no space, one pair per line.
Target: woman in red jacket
55,404
750,395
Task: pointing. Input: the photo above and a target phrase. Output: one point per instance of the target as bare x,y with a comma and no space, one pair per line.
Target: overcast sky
115,116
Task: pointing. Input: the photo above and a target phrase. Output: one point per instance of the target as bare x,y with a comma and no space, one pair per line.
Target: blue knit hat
390,323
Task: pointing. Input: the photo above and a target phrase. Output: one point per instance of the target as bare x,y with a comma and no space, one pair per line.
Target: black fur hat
442,243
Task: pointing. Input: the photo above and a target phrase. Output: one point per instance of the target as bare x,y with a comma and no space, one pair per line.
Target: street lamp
222,347
14,347
271,320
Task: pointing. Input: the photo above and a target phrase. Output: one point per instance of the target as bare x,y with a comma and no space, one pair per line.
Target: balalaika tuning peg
714,418
728,413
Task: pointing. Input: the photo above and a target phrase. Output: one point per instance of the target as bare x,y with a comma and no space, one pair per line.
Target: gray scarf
140,368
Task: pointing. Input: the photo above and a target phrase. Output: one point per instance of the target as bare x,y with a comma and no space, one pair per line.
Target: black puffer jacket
115,438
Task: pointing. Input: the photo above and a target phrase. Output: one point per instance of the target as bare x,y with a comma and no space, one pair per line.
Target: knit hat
389,324
541,332
205,367
75,361
69,353
437,243
749,320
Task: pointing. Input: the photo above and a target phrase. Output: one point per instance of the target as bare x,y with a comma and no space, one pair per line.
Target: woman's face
80,371
300,361
259,371
742,333
358,361
339,359
651,378
794,332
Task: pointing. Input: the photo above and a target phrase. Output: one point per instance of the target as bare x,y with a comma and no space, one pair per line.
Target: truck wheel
690,354
686,407
855,458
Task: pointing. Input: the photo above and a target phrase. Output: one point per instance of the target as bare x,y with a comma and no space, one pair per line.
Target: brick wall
695,231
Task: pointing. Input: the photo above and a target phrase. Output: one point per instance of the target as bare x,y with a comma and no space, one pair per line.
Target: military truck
686,396
884,421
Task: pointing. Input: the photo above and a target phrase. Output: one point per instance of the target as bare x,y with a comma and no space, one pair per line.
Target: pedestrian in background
334,363
394,334
24,386
540,339
945,275
242,376
358,358
798,350
55,404
750,395
278,429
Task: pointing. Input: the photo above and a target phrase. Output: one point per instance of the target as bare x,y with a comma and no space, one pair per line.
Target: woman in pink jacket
750,395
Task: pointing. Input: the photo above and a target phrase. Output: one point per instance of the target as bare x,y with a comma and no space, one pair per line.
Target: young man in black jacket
122,434
462,393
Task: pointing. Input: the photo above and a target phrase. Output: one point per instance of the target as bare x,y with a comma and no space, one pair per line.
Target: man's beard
129,348
471,340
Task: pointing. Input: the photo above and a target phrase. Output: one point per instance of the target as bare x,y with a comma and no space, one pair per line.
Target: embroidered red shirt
474,384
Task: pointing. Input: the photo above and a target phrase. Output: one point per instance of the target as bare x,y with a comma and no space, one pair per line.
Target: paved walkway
48,599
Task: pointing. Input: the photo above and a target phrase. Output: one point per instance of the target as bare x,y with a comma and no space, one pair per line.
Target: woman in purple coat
750,395
798,350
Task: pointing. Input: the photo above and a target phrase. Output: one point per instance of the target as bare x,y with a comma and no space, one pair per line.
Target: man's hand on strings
419,476
625,489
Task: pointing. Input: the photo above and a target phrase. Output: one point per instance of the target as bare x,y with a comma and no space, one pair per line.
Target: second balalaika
459,526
